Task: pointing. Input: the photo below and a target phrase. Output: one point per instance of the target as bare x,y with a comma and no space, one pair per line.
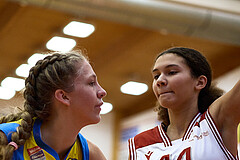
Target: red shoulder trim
148,137
203,116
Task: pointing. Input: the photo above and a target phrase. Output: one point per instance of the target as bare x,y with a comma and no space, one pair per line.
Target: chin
165,104
96,119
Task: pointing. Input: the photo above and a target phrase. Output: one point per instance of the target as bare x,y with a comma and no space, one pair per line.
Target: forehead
169,59
85,70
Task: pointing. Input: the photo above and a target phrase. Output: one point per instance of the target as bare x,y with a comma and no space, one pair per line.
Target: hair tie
14,144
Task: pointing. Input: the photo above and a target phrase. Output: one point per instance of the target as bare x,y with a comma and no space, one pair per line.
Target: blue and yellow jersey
35,149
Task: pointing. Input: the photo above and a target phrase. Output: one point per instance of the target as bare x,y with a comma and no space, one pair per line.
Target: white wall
227,81
101,134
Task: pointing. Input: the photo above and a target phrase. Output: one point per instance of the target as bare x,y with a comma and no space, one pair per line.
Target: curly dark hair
198,65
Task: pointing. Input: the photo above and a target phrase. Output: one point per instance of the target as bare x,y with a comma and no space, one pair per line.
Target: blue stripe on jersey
8,129
40,143
85,148
19,154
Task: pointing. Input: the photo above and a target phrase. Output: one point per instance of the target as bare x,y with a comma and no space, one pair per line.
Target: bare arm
227,107
95,153
226,114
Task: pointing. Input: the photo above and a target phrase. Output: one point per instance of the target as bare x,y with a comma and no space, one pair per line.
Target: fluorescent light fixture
35,57
23,70
6,93
13,83
134,88
106,108
79,29
61,44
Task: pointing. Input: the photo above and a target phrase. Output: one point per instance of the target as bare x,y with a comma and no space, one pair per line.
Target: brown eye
156,76
92,83
172,72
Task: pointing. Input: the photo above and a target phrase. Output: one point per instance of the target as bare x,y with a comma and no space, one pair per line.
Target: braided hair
198,65
57,70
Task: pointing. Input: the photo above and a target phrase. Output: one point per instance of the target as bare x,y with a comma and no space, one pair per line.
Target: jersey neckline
167,141
43,145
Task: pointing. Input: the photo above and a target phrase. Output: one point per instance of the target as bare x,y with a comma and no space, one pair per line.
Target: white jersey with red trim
201,141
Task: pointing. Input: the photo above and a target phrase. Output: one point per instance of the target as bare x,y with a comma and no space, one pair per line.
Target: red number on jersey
186,152
166,157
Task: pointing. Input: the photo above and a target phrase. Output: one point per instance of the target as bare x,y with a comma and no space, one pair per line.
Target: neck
179,121
59,135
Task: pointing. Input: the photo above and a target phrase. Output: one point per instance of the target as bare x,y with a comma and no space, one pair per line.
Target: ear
62,97
201,82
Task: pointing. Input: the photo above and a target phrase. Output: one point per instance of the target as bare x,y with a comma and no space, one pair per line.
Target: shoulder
8,128
94,152
9,125
147,137
88,148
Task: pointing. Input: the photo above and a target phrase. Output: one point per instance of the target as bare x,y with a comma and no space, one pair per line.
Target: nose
101,93
161,81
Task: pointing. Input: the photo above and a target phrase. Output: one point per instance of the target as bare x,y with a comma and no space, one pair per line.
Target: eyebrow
93,76
168,66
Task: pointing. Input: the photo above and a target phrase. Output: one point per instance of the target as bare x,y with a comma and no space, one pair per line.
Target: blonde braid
53,72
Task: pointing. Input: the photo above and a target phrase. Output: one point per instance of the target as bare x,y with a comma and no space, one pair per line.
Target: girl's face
173,84
86,98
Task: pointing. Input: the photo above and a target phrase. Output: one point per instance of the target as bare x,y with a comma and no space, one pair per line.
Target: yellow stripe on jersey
35,149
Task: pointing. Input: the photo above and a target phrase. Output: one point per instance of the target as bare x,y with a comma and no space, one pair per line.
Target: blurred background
121,38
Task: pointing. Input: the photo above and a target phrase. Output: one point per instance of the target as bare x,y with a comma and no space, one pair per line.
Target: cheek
87,97
180,80
154,87
85,94
183,84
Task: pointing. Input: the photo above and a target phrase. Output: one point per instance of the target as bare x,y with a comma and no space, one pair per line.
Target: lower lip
99,108
165,93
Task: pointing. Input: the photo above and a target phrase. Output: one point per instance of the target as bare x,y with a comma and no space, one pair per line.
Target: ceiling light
106,108
13,83
6,93
78,29
35,57
23,70
134,88
61,44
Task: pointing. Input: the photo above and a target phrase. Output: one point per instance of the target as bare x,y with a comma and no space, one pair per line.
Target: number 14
186,152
